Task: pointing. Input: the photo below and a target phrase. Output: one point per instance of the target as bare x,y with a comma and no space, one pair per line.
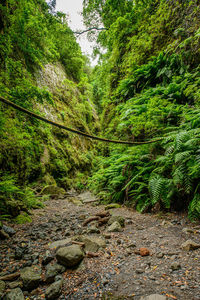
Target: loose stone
54,290
190,245
70,256
31,277
52,271
115,227
15,294
154,297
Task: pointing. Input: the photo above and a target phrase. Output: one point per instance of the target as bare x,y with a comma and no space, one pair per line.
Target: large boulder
52,271
119,219
59,243
54,290
70,256
115,227
31,277
87,197
15,294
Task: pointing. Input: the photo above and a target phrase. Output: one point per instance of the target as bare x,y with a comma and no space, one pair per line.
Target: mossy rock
53,190
112,205
23,219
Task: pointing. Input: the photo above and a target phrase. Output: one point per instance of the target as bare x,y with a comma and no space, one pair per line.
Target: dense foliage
42,69
146,86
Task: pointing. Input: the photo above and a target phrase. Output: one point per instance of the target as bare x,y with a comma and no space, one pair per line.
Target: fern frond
155,187
194,207
181,156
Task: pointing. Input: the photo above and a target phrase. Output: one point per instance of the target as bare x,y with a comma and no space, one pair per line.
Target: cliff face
42,69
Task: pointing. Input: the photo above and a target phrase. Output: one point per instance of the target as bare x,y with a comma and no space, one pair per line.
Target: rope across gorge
36,116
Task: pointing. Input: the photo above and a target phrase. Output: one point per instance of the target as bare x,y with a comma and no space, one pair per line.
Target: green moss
23,219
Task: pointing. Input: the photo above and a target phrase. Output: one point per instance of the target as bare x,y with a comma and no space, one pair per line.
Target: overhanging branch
90,29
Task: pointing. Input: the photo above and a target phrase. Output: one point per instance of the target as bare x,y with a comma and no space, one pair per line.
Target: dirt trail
119,270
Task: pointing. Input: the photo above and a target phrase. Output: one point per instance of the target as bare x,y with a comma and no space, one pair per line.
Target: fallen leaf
171,296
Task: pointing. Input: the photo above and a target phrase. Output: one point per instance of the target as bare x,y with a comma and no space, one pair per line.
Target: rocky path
116,254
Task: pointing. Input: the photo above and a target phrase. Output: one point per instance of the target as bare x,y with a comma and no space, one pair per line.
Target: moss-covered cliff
42,69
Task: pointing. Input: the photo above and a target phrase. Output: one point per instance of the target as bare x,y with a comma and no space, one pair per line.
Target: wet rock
59,243
112,205
15,294
31,277
9,230
119,219
154,297
54,290
70,256
190,245
114,227
3,235
2,288
52,271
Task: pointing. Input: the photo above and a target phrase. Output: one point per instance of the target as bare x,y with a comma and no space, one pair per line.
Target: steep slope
42,69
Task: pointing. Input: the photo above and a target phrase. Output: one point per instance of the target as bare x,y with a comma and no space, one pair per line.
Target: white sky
73,9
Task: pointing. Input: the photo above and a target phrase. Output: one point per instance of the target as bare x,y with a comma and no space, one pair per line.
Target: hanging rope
32,114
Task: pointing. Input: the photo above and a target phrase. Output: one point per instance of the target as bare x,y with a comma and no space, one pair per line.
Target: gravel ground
119,270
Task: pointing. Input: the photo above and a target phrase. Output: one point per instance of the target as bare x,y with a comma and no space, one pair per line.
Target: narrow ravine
124,255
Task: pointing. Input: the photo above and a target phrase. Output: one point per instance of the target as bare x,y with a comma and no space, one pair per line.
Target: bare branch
89,29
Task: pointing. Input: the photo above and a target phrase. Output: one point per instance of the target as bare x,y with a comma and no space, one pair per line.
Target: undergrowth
146,87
